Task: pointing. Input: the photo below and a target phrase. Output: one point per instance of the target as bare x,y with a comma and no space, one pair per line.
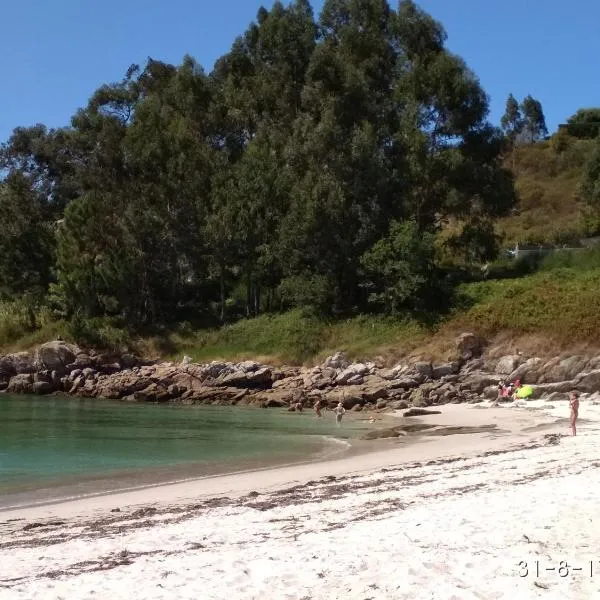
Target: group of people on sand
508,391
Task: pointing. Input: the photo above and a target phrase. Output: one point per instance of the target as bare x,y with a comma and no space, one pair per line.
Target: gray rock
88,373
424,368
355,380
55,356
275,403
420,396
398,404
42,387
249,366
445,370
405,383
469,345
45,376
109,368
542,389
128,361
562,369
528,372
420,412
76,384
22,362
21,384
490,392
477,382
351,371
7,369
507,364
74,374
589,382
259,378
374,392
338,361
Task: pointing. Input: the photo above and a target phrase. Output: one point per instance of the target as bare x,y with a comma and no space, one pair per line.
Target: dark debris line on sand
41,534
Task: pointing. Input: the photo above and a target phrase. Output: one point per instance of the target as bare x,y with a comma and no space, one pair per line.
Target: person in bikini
574,406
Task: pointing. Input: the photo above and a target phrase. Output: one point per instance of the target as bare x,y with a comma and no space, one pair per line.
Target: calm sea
62,448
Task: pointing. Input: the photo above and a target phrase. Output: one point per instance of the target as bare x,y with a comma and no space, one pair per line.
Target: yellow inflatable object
524,391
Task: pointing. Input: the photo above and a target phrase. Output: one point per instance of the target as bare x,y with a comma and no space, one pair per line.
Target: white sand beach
446,517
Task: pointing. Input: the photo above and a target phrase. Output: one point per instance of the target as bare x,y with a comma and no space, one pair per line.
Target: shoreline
513,429
72,488
446,517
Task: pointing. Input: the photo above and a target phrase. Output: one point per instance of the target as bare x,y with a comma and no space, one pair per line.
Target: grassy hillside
546,312
547,182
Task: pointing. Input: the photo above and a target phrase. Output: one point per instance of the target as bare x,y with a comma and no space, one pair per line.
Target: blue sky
55,53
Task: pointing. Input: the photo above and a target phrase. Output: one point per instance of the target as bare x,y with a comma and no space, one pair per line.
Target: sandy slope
452,527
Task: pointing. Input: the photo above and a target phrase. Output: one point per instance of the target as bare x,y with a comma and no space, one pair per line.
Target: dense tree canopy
585,123
313,166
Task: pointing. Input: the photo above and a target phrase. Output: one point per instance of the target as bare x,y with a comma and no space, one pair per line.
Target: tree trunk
257,300
222,290
248,291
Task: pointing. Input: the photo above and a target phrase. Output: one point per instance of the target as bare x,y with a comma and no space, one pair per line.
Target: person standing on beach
574,406
339,411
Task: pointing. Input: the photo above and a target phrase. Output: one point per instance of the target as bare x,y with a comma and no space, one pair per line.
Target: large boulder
352,374
421,396
7,369
349,396
478,382
128,361
589,382
424,369
116,386
528,372
445,369
507,364
260,378
562,369
21,384
22,362
375,389
42,387
405,383
469,345
82,361
394,372
55,356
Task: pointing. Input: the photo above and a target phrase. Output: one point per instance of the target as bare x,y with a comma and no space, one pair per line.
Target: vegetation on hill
333,182
550,209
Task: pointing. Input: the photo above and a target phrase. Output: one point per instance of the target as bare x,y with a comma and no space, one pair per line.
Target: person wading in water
339,411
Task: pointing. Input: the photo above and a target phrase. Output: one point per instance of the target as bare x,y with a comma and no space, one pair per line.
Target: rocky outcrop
55,356
61,367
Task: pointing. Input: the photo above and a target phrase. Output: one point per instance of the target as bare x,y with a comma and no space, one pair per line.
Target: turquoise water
52,447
